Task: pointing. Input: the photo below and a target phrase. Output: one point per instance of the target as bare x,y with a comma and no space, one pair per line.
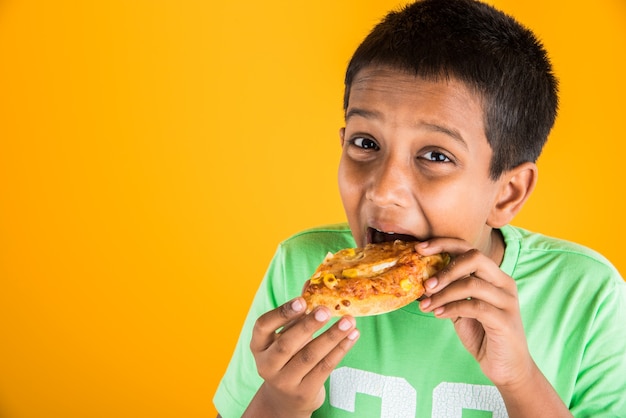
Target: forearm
533,397
261,406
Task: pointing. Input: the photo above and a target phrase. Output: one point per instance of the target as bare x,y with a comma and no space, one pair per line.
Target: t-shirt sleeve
241,380
294,261
600,389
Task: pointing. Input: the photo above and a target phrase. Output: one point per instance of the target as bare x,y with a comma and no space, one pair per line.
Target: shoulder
557,264
530,254
297,256
559,279
322,238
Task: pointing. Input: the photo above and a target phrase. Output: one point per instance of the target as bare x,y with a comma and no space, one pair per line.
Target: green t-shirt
410,364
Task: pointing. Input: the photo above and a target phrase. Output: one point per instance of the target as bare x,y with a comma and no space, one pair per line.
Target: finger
288,343
298,334
471,262
470,287
452,246
327,364
491,318
324,352
265,327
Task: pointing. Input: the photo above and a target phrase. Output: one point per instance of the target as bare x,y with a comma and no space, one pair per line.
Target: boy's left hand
482,302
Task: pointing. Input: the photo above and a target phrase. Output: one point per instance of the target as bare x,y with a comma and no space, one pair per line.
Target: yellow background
153,153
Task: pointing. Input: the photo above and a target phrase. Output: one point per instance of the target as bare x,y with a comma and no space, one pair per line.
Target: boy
447,106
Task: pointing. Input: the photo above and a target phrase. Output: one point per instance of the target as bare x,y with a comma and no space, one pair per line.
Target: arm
533,397
293,364
482,302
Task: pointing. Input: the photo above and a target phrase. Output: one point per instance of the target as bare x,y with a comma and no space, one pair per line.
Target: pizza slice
372,280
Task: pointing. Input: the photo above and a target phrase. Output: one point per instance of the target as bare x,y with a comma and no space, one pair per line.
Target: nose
390,185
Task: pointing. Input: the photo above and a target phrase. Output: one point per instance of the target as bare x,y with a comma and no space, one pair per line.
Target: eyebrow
367,114
453,133
432,127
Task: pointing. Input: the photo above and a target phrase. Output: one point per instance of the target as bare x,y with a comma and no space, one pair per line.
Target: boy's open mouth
375,236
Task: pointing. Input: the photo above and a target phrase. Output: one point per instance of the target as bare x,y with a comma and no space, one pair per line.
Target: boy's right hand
293,364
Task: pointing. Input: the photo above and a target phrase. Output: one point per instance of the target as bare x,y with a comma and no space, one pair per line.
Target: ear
342,135
516,185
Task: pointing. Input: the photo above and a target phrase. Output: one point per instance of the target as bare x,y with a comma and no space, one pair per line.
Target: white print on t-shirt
399,398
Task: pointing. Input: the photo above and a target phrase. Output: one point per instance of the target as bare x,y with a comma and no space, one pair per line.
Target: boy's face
416,161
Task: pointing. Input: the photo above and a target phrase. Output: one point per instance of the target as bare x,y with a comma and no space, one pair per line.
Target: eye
365,143
436,157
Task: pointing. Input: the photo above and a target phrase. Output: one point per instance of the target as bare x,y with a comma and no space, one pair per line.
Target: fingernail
439,310
321,315
432,283
344,325
297,305
353,335
425,303
422,244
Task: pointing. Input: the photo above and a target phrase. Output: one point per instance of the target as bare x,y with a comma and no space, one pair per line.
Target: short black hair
489,51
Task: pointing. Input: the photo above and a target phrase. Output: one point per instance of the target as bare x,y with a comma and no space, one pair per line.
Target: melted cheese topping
371,280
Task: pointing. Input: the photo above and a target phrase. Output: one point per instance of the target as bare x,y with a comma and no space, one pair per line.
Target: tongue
378,237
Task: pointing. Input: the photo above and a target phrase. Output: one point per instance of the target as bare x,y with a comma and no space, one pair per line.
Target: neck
496,247
496,251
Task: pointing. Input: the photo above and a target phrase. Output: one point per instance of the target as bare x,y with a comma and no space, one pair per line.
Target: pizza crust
372,280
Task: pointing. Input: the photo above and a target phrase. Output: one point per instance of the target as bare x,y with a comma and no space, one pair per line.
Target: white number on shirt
399,398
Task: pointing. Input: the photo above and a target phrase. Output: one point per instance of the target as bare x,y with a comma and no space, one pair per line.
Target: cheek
352,186
449,207
348,185
458,210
